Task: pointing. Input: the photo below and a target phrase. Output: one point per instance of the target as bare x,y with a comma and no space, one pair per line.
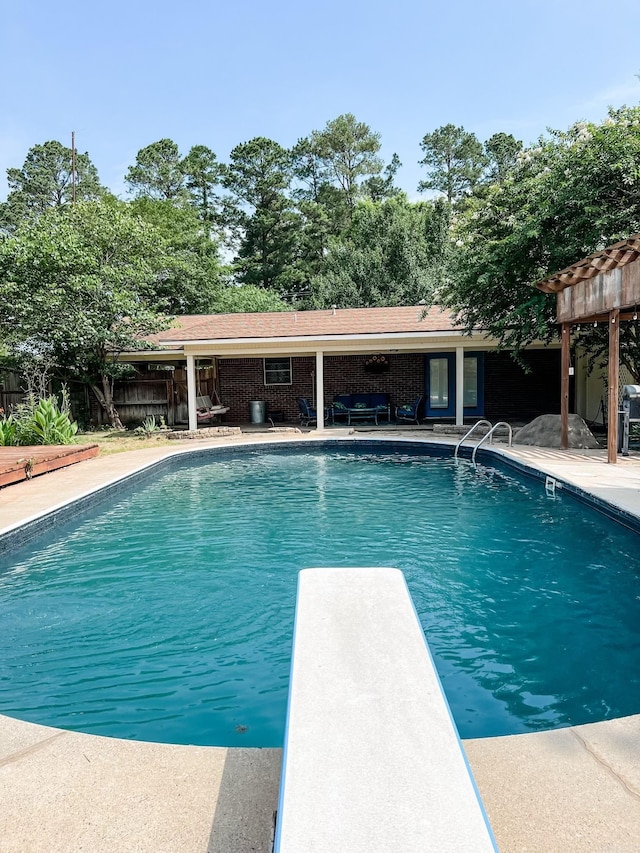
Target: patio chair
308,413
410,411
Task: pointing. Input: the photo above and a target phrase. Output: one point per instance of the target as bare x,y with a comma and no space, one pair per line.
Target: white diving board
372,760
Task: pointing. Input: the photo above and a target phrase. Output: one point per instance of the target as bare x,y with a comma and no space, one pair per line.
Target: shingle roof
296,324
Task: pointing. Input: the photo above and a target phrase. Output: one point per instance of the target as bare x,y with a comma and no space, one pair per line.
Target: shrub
149,426
8,431
38,422
50,425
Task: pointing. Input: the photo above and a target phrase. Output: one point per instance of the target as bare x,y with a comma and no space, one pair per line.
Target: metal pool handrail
489,436
467,434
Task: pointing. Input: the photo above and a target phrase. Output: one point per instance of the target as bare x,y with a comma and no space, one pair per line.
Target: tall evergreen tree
348,149
334,168
46,180
157,172
258,178
455,160
379,187
501,152
203,174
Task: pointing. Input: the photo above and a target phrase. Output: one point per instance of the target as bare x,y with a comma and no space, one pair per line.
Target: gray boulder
544,431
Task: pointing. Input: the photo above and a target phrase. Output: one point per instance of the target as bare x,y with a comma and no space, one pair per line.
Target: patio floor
572,789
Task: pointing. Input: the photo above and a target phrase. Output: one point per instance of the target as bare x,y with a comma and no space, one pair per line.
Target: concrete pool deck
572,789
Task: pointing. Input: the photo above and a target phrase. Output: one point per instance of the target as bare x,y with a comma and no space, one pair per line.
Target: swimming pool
166,614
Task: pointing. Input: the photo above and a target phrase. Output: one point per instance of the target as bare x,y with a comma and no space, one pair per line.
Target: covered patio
402,353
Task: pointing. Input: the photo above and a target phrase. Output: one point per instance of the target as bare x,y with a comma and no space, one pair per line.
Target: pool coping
569,789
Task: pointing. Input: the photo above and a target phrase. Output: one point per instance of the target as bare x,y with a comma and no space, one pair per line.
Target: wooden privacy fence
157,393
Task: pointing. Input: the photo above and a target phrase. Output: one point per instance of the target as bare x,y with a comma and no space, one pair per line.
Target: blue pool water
167,613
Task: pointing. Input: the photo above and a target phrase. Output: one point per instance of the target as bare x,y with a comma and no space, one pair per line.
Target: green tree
393,255
193,276
158,172
348,151
193,280
78,286
501,153
46,180
570,194
258,178
315,198
379,187
203,174
247,298
455,160
334,168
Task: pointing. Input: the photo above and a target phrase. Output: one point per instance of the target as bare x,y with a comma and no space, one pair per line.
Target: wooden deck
23,463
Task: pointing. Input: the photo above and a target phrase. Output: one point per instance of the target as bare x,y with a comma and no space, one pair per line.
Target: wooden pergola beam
564,386
614,377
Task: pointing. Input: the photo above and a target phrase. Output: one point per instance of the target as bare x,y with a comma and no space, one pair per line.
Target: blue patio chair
308,413
410,411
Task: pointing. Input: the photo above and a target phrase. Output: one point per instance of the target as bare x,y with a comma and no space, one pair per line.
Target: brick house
278,357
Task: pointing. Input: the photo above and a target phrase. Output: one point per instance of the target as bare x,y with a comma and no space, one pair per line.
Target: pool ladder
487,435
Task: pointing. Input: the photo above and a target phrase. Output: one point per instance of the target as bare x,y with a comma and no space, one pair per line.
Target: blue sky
123,75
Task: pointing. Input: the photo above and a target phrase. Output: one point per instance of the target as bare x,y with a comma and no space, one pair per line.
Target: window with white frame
277,371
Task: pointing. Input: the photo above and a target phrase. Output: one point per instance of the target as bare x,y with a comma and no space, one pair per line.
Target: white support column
320,388
191,392
459,386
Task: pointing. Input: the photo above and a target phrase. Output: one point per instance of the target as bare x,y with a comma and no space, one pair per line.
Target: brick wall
242,380
345,374
513,395
510,393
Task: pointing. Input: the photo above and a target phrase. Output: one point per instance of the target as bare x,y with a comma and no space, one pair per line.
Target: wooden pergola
603,288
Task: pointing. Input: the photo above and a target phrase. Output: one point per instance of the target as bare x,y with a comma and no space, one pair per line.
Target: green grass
114,441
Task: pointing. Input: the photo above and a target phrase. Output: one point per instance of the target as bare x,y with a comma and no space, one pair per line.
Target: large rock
544,431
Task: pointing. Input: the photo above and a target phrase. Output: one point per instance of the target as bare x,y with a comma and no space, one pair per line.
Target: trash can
257,411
